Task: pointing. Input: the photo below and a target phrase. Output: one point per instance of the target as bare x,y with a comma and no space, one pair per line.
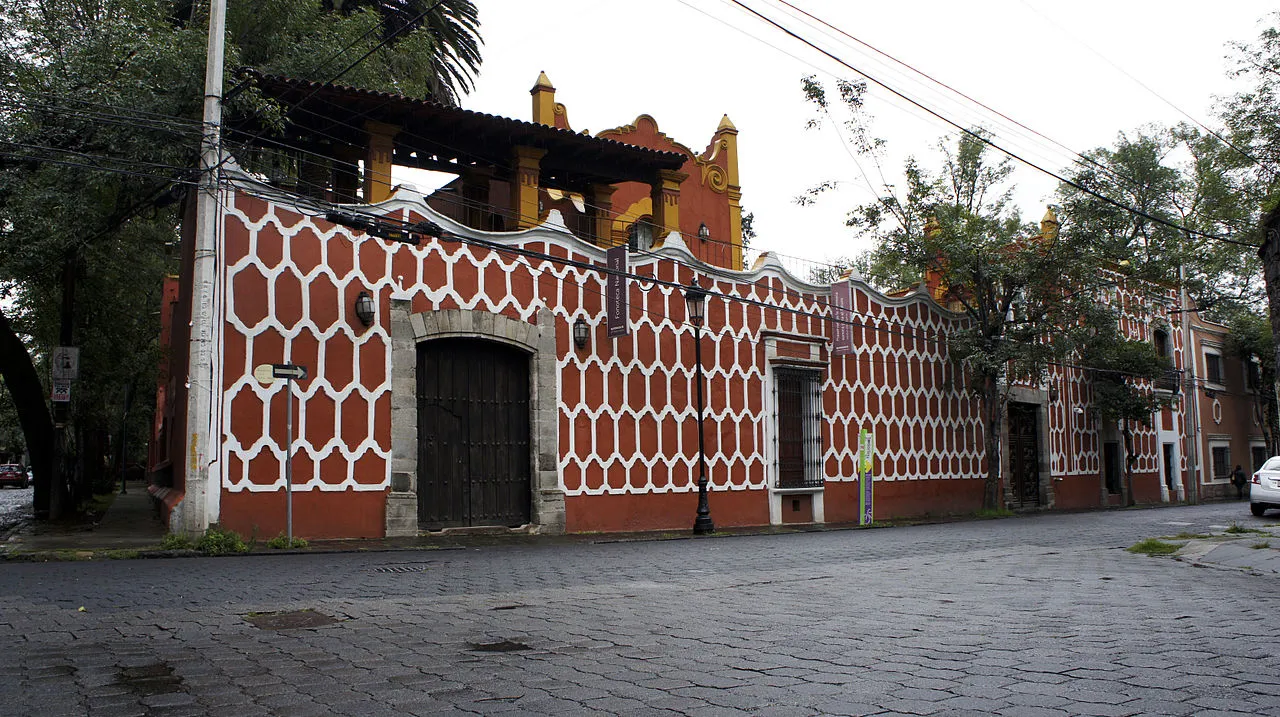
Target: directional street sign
288,370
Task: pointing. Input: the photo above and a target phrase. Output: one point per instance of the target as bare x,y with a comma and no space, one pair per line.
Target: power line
391,36
1077,157
1140,83
987,141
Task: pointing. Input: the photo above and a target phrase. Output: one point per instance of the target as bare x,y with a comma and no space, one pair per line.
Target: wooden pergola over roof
451,139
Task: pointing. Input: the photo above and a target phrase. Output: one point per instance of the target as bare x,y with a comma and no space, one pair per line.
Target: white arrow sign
288,370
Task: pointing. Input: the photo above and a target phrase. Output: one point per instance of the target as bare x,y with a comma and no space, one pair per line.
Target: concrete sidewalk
1257,552
131,522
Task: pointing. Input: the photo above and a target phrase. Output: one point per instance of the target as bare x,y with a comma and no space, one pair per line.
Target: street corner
1250,548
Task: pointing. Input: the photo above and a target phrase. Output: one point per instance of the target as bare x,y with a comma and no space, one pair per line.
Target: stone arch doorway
473,434
496,334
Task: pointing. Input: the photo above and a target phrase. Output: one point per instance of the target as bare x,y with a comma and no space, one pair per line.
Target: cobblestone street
15,507
1042,615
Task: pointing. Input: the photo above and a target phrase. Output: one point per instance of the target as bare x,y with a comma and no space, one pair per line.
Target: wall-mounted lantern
703,232
364,308
581,332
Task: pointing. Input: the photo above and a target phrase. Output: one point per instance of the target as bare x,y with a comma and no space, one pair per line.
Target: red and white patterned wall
625,405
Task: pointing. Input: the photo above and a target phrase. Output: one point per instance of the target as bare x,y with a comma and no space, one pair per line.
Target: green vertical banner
866,467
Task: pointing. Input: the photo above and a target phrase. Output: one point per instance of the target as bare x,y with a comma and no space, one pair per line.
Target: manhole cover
292,620
156,679
504,646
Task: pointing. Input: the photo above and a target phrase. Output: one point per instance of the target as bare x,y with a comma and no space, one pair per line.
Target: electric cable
977,136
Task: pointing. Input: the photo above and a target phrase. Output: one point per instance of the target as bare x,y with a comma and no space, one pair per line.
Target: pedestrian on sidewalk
1239,480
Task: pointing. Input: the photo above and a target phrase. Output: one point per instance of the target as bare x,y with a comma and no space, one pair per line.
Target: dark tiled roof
434,134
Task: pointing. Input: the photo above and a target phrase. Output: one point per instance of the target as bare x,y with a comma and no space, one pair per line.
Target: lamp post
695,298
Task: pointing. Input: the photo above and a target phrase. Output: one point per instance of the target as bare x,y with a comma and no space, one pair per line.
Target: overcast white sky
687,62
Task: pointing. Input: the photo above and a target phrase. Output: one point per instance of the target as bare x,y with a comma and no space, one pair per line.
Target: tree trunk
24,386
1270,254
992,422
1129,457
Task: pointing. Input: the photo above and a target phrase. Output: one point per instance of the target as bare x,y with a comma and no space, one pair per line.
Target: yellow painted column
602,211
735,228
524,186
727,136
665,194
377,161
544,101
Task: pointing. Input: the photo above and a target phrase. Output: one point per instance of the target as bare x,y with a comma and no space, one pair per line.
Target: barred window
798,401
1221,462
1213,368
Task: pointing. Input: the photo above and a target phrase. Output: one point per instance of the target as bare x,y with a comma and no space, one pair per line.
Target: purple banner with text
841,318
616,291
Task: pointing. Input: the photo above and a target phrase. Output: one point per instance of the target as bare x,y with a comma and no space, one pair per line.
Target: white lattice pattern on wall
626,406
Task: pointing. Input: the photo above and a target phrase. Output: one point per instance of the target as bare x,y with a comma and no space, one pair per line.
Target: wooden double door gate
474,463
1024,455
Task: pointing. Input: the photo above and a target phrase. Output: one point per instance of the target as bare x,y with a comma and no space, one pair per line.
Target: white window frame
1208,351
1208,478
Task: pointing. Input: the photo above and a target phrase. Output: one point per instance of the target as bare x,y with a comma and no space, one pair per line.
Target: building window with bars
1221,456
797,420
1213,368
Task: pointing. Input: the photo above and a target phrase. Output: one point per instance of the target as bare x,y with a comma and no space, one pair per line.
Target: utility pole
1191,396
192,516
57,500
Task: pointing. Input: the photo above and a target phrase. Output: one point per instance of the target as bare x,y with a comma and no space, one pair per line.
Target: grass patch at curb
1237,529
1154,546
282,542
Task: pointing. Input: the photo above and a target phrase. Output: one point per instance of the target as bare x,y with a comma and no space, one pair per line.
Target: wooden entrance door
473,434
1024,455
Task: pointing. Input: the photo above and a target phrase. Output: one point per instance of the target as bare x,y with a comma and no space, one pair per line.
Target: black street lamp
695,298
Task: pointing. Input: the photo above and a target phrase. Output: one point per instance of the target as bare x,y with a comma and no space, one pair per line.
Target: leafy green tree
1124,374
1020,291
100,106
1190,224
1254,126
1251,340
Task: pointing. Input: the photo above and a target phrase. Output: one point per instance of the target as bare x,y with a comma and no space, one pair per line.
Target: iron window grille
1221,462
1213,367
797,397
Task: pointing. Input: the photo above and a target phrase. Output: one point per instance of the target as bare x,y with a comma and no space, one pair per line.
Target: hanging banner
866,466
616,291
841,318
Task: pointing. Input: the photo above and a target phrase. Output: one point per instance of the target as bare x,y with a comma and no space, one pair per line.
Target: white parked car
1264,490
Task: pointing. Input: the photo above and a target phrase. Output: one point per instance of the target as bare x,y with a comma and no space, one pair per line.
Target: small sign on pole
61,391
265,374
866,466
66,363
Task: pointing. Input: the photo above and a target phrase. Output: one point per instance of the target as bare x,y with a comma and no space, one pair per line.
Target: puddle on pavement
291,620
148,680
503,646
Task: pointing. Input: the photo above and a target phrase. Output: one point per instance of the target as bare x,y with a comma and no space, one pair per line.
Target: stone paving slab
1028,616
